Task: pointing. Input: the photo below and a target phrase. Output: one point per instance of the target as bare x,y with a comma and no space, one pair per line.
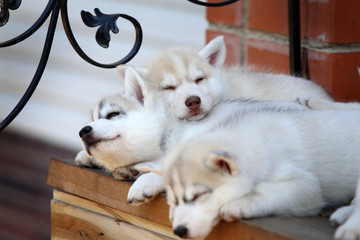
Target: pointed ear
121,71
134,85
149,167
221,161
214,52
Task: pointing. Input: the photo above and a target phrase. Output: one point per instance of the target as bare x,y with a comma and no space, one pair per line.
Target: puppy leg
126,173
292,197
341,215
146,187
321,104
82,159
350,230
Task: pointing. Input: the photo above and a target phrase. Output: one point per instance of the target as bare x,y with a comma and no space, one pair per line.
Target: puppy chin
193,116
100,146
196,117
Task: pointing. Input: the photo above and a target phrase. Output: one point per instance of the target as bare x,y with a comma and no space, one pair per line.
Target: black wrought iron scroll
105,24
213,4
103,21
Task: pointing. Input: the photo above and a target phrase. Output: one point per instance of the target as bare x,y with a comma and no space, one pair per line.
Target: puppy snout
85,131
193,103
181,231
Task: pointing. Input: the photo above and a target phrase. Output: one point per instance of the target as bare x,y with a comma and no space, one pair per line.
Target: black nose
193,103
181,231
85,131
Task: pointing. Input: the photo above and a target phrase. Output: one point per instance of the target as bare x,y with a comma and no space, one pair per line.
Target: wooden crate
92,205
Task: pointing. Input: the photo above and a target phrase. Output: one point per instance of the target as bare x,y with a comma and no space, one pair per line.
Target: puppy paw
350,230
126,173
318,104
145,188
238,209
341,215
303,101
82,159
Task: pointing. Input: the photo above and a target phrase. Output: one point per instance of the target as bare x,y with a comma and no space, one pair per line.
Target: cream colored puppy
266,163
193,82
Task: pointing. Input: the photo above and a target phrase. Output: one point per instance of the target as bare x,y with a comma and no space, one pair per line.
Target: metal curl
210,4
49,7
39,71
107,23
5,5
54,7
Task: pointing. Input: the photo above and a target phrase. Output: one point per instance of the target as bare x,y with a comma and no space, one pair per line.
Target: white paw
315,104
145,188
303,101
82,159
238,209
350,230
341,215
319,104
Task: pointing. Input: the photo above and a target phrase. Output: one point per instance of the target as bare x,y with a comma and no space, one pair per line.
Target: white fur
349,219
282,163
176,131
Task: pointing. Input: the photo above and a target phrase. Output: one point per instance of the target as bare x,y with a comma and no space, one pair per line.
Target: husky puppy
193,82
263,163
136,126
125,128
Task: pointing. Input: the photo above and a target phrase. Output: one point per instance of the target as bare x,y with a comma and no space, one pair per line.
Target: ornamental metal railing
106,23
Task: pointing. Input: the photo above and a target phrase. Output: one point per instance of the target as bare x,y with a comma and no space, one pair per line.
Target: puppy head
200,177
122,125
187,79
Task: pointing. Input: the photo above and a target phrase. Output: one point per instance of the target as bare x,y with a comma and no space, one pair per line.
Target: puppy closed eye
112,115
199,79
169,88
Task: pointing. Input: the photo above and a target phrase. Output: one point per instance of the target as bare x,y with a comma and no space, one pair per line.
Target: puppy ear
121,71
134,85
148,167
221,161
123,67
214,52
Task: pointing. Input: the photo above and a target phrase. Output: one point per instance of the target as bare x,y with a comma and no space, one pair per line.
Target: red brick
333,21
233,46
267,56
268,15
231,14
337,72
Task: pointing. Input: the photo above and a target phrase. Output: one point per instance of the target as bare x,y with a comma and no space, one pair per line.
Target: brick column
256,34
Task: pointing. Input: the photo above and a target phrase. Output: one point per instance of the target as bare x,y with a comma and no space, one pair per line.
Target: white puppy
193,82
125,128
266,163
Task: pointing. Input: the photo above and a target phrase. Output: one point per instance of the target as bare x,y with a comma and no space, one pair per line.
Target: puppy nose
181,231
85,131
193,103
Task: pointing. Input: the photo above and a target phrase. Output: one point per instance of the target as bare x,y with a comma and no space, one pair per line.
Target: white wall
70,86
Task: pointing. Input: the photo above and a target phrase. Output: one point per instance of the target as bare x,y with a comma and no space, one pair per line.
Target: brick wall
256,34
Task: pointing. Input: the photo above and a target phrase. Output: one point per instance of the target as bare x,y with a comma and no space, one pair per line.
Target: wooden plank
105,190
113,213
71,222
